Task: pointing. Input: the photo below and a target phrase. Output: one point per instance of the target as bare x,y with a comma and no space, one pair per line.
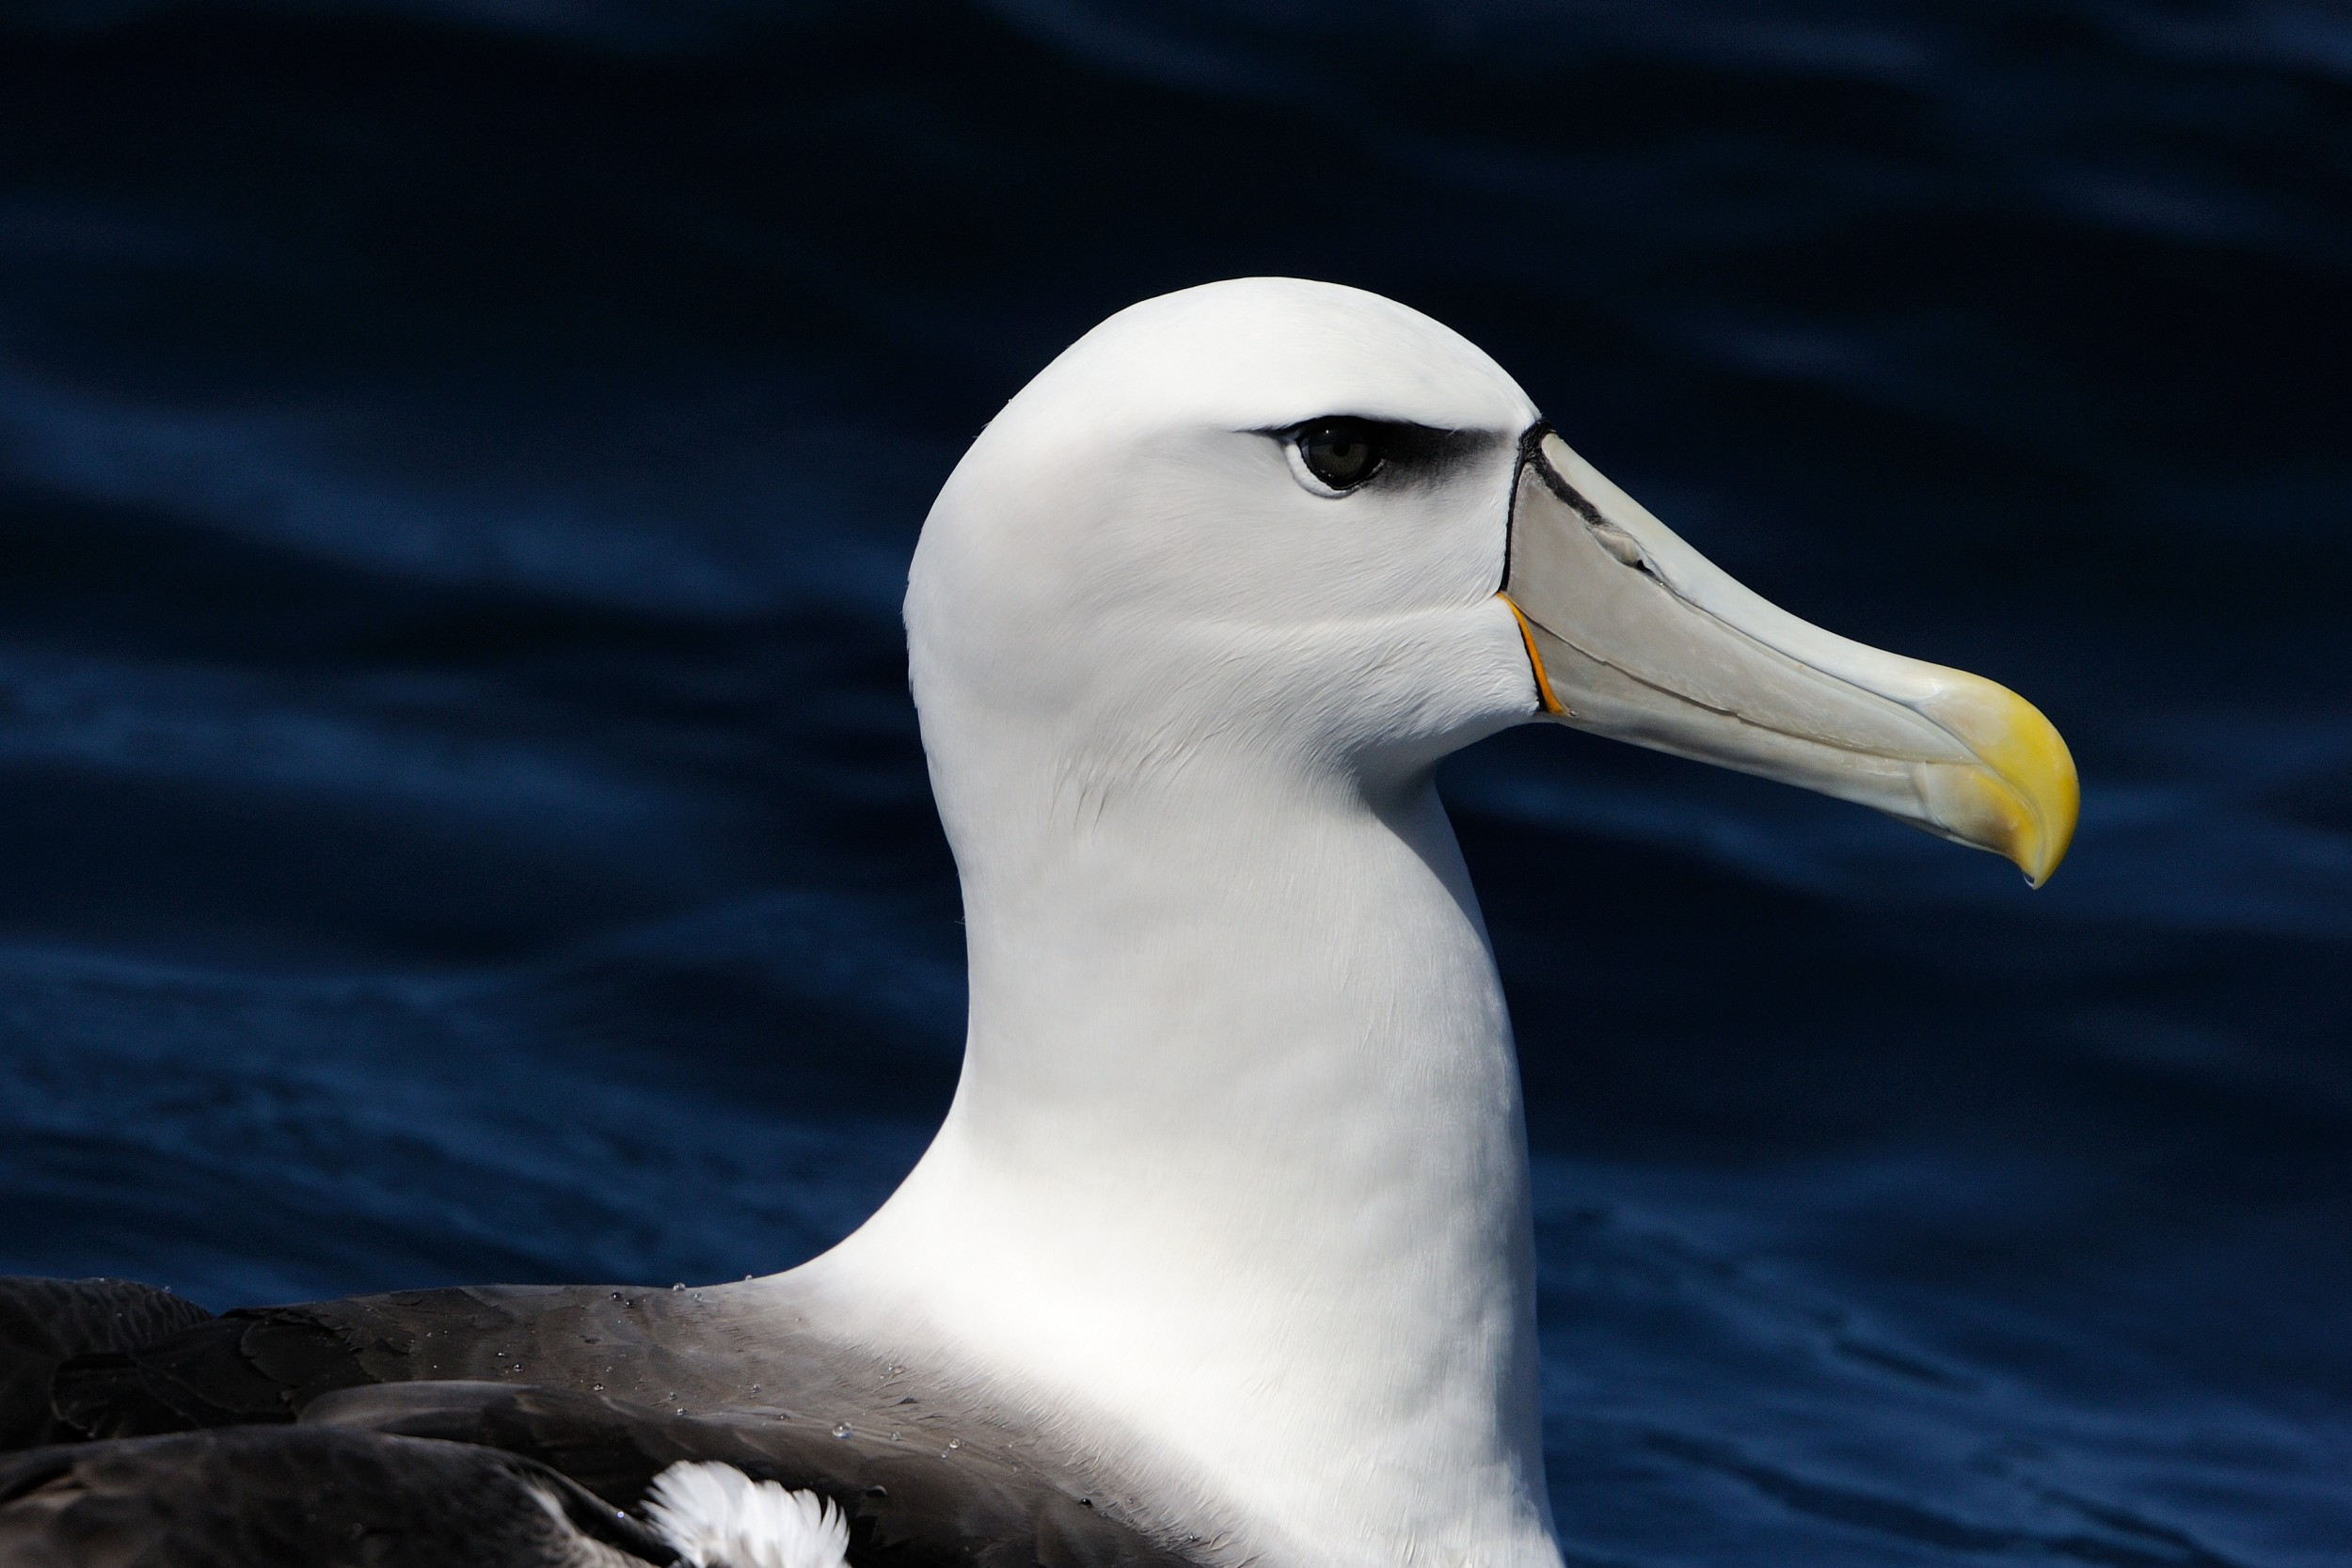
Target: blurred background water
461,817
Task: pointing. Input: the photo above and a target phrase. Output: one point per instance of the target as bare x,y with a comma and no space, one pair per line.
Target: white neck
1233,1192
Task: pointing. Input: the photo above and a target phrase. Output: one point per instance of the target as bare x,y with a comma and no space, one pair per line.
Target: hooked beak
1635,635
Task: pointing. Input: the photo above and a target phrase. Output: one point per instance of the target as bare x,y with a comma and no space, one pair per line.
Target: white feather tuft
718,1517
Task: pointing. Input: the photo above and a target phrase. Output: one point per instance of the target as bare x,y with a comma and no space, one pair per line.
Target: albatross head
1300,521
1232,1206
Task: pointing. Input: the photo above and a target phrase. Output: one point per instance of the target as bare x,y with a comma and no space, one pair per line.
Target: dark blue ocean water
461,817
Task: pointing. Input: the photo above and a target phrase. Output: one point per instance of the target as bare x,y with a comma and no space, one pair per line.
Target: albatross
1223,1253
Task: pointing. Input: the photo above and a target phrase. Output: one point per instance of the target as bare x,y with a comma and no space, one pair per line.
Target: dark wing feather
237,1369
280,1498
46,1322
265,1364
592,1382
910,1504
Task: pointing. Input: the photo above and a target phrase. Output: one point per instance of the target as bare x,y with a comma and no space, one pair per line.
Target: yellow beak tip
2034,767
2018,796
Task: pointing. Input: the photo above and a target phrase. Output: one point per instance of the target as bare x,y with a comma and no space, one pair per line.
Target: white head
1233,1197
1135,559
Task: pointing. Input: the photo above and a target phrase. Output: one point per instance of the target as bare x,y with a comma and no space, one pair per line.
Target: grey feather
392,1426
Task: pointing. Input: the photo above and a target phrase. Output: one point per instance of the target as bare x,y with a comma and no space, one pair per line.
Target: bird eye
1342,454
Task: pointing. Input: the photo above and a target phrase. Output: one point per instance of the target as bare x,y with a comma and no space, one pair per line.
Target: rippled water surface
461,818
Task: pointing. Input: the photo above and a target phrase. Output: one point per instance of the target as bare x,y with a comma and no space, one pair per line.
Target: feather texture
718,1517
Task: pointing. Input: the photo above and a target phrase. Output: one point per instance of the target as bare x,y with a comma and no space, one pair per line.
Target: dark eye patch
1345,451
